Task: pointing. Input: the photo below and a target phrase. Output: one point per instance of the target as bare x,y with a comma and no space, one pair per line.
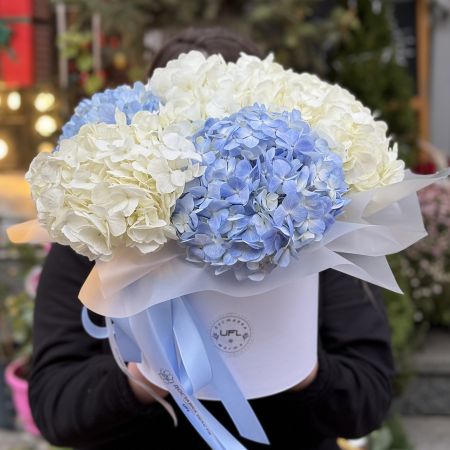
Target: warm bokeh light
44,101
14,100
4,148
45,147
46,125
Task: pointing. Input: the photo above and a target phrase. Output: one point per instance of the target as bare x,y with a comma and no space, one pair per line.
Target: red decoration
426,168
17,63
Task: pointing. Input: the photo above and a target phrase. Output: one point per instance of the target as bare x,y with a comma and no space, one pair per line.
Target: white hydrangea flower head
113,185
193,87
335,114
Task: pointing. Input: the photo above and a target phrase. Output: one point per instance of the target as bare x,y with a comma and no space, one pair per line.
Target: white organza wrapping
376,223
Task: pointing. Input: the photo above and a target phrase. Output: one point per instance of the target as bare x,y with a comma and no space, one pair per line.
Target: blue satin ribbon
124,336
169,335
194,368
93,330
125,341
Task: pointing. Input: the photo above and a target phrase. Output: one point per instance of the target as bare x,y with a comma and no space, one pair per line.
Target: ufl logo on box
231,333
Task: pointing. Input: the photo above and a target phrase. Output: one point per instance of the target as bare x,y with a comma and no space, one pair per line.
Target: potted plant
20,310
18,317
6,353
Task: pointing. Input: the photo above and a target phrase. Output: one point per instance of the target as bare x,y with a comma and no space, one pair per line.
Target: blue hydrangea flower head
101,107
271,187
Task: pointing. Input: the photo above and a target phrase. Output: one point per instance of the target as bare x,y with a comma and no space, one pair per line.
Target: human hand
307,381
142,394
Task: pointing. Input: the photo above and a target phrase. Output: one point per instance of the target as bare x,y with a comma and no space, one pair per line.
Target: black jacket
80,398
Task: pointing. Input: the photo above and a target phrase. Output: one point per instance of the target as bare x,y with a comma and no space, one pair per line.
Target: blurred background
394,55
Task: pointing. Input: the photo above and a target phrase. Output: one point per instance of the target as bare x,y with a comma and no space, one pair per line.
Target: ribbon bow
169,336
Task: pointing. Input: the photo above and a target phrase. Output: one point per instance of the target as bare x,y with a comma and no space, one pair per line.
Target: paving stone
16,440
428,433
428,393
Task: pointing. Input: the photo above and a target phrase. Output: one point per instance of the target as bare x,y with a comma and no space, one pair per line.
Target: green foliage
300,40
6,344
19,309
131,19
366,64
400,310
73,42
353,47
76,45
283,26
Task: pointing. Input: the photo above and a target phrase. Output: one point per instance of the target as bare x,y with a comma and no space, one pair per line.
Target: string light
14,100
46,125
4,148
44,101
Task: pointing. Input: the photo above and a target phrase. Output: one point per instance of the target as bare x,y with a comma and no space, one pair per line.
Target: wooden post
423,63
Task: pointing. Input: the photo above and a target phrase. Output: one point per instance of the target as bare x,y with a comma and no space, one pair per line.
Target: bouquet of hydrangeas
210,200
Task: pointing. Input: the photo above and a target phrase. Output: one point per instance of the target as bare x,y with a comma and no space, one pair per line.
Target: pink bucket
19,389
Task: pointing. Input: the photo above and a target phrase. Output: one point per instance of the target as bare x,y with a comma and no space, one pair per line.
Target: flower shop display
210,200
426,265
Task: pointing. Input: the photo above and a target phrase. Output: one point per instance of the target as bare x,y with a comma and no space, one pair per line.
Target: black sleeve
77,393
352,392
